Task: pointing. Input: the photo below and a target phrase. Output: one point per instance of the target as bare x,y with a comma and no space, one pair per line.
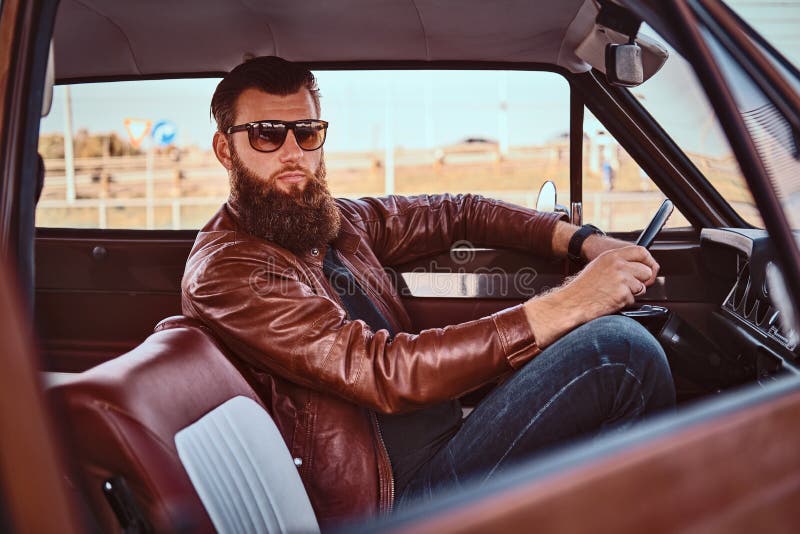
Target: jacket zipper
385,455
309,449
383,452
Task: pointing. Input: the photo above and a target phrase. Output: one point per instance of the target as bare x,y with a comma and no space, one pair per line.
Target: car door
32,462
120,209
118,214
99,294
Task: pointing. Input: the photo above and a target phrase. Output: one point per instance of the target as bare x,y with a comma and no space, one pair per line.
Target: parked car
691,101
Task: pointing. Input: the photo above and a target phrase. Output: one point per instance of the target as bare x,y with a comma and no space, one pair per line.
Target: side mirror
624,66
546,201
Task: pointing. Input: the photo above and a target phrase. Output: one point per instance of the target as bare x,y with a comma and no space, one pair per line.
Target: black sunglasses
269,135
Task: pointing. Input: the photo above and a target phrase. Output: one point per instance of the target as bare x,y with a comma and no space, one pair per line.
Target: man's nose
290,151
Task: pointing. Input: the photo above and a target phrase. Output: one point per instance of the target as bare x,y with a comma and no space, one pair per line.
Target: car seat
169,437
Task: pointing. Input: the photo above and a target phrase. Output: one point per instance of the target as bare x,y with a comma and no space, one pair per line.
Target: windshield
776,141
776,21
675,98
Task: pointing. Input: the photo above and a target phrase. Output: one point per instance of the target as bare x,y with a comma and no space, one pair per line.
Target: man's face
289,166
280,196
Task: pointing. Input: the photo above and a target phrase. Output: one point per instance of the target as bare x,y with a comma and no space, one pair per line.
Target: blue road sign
164,132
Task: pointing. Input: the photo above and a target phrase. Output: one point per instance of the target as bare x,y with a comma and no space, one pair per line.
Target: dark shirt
412,438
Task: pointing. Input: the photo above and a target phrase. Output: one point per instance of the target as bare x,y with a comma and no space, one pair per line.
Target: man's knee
620,338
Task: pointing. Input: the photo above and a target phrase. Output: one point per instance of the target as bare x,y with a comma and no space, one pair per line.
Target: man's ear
222,150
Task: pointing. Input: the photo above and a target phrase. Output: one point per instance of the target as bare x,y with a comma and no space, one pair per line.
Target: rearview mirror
624,64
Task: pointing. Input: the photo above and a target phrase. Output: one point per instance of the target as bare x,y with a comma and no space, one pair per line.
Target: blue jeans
603,375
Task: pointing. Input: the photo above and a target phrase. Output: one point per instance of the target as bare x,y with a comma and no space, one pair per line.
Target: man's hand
609,283
597,244
592,247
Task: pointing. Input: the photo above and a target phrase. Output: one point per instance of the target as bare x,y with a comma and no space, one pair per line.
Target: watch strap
576,242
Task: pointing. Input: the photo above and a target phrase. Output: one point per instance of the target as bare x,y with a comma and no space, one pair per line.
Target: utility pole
429,125
69,156
150,184
502,113
388,170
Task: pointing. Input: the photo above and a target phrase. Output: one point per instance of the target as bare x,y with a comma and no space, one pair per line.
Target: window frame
619,112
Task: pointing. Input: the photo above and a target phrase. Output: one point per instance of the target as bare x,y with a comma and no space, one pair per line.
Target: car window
141,151
775,21
775,140
674,97
139,157
618,196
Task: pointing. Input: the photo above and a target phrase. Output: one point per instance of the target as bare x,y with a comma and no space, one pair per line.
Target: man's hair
270,74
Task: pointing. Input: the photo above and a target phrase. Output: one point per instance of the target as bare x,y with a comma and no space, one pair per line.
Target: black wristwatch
576,242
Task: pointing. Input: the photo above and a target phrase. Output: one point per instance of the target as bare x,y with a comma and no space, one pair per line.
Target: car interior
163,431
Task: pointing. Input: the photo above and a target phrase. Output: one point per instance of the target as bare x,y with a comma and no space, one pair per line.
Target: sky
777,20
427,108
424,109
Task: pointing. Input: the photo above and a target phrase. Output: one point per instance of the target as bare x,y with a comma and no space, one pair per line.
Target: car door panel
99,295
463,285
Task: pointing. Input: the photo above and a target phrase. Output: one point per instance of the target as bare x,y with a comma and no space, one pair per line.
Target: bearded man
291,281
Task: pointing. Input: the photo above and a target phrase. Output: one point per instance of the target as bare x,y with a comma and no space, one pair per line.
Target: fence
602,209
162,190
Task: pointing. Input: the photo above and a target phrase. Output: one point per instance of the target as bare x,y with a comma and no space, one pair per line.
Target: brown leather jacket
322,376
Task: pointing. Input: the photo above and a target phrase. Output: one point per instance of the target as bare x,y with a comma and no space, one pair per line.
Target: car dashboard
748,327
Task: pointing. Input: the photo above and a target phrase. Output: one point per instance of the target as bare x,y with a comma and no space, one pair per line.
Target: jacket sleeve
402,229
275,322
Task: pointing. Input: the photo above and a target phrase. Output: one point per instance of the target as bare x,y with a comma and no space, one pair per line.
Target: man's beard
296,220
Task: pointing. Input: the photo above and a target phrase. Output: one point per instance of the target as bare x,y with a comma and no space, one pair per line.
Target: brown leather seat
124,416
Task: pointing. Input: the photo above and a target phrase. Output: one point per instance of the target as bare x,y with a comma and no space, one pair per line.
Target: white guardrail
612,210
601,206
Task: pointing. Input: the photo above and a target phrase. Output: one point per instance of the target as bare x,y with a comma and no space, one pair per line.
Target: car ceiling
96,39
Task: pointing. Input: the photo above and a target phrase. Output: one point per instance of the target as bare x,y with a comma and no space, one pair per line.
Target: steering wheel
646,239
